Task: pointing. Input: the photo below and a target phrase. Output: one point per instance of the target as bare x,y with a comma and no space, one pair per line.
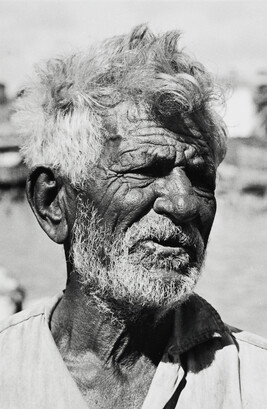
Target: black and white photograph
133,204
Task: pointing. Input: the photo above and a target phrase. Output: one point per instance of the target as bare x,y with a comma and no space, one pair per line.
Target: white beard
131,277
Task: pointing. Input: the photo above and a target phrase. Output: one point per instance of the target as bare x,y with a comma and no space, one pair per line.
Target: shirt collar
196,321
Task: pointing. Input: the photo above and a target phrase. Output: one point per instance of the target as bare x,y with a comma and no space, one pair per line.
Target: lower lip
166,250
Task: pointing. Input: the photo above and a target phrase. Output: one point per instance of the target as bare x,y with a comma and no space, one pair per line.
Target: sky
224,35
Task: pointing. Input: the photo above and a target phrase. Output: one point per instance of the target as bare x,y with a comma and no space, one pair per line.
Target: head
123,144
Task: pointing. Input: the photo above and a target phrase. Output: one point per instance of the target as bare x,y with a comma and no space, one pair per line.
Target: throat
112,360
82,326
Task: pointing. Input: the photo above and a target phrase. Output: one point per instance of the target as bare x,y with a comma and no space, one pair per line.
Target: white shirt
221,367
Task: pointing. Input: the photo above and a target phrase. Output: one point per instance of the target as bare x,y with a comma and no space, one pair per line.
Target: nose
176,198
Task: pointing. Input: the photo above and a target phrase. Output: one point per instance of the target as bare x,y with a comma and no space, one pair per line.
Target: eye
156,170
202,181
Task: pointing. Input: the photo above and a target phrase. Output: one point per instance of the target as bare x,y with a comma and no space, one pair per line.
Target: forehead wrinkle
119,124
145,142
151,130
157,134
184,145
134,153
136,141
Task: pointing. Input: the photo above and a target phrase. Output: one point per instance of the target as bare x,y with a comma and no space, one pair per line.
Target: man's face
153,193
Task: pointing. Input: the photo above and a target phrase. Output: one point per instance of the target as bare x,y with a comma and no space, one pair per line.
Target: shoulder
20,336
28,319
252,355
248,340
16,320
252,367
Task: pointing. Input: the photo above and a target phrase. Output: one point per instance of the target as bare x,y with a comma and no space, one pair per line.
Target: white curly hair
59,114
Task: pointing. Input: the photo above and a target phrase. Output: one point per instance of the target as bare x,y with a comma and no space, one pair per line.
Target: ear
49,199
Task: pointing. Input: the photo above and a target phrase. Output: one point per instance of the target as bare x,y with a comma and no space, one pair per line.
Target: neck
82,323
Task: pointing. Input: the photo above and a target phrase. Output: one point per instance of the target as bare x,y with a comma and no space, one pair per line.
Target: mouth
168,247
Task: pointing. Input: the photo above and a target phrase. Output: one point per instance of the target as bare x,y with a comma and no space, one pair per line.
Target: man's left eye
155,171
202,183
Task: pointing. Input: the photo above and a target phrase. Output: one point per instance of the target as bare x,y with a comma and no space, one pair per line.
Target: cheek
120,204
135,204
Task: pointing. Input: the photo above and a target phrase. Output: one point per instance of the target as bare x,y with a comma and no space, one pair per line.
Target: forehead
131,131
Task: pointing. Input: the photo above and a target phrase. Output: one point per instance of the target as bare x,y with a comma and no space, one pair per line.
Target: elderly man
123,146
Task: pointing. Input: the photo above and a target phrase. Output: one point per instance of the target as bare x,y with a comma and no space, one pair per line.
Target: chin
157,284
135,290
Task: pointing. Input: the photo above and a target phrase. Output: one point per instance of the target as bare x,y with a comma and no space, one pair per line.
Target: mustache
161,229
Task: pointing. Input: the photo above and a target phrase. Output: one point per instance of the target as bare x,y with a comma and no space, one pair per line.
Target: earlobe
45,192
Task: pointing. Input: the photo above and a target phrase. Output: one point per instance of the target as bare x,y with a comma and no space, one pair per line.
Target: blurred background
229,37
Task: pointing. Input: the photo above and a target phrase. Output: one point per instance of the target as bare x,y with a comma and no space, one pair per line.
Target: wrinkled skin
144,168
